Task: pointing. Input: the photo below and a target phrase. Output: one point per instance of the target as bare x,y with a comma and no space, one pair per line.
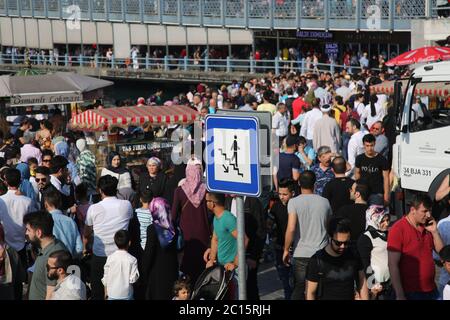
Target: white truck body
421,158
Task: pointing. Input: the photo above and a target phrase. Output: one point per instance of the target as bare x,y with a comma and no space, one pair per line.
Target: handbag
180,237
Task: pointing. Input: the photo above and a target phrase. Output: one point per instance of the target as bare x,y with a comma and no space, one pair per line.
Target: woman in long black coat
159,261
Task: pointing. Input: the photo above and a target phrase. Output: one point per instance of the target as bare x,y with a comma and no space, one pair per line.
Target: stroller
212,284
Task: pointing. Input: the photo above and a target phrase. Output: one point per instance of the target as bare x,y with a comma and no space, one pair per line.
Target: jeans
433,295
97,265
285,273
300,265
345,140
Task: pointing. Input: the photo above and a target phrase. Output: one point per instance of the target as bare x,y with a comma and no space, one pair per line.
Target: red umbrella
420,55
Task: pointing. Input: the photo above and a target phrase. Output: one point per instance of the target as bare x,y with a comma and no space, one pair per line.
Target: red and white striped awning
424,89
102,119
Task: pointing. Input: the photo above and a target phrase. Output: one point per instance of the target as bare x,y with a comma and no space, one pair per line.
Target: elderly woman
190,212
153,179
322,170
372,248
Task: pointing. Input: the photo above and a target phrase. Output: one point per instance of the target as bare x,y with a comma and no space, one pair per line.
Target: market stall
425,89
37,91
122,130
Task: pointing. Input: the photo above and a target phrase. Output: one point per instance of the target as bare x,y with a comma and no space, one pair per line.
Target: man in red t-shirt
411,242
299,105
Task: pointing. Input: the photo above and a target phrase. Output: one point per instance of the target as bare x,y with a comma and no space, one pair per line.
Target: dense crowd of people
329,217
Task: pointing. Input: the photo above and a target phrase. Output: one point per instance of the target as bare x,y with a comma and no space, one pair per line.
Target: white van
421,153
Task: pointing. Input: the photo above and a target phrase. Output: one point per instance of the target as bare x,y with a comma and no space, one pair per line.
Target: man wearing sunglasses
333,272
382,143
42,180
47,156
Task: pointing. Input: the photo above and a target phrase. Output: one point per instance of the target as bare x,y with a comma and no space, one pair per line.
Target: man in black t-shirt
373,168
356,212
333,272
337,191
288,163
279,214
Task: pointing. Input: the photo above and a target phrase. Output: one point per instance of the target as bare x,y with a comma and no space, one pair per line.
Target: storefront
328,42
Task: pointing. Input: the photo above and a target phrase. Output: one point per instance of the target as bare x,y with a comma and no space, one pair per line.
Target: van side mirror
405,129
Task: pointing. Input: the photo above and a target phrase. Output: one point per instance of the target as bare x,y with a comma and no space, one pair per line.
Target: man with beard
39,231
334,271
69,286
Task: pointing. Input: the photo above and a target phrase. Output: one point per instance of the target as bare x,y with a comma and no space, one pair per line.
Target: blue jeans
285,273
433,295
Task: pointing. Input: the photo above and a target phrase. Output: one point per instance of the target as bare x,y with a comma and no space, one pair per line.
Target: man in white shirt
280,122
355,145
69,286
103,220
13,208
309,122
344,91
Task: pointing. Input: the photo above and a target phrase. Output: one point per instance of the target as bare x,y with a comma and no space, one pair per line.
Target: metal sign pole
242,269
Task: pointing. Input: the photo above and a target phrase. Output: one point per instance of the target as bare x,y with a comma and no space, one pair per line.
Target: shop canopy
56,88
434,89
106,118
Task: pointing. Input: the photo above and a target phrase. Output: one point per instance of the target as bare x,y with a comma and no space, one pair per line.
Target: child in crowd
32,164
121,270
279,215
182,289
144,216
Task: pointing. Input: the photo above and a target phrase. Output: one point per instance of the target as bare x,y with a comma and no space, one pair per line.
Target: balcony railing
168,63
281,14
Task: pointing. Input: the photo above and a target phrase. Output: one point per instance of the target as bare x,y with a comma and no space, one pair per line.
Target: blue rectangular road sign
232,160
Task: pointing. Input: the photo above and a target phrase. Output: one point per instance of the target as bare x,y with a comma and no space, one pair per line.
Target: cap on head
325,108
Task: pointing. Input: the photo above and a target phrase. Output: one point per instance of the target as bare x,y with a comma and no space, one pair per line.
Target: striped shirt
145,219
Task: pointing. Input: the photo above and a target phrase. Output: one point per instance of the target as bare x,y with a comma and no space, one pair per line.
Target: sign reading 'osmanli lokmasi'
22,100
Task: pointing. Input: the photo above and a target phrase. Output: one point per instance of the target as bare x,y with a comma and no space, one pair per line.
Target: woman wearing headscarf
153,179
117,169
86,166
372,248
62,149
26,188
159,261
190,212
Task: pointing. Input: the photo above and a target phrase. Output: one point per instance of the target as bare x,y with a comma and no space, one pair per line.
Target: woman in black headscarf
117,169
